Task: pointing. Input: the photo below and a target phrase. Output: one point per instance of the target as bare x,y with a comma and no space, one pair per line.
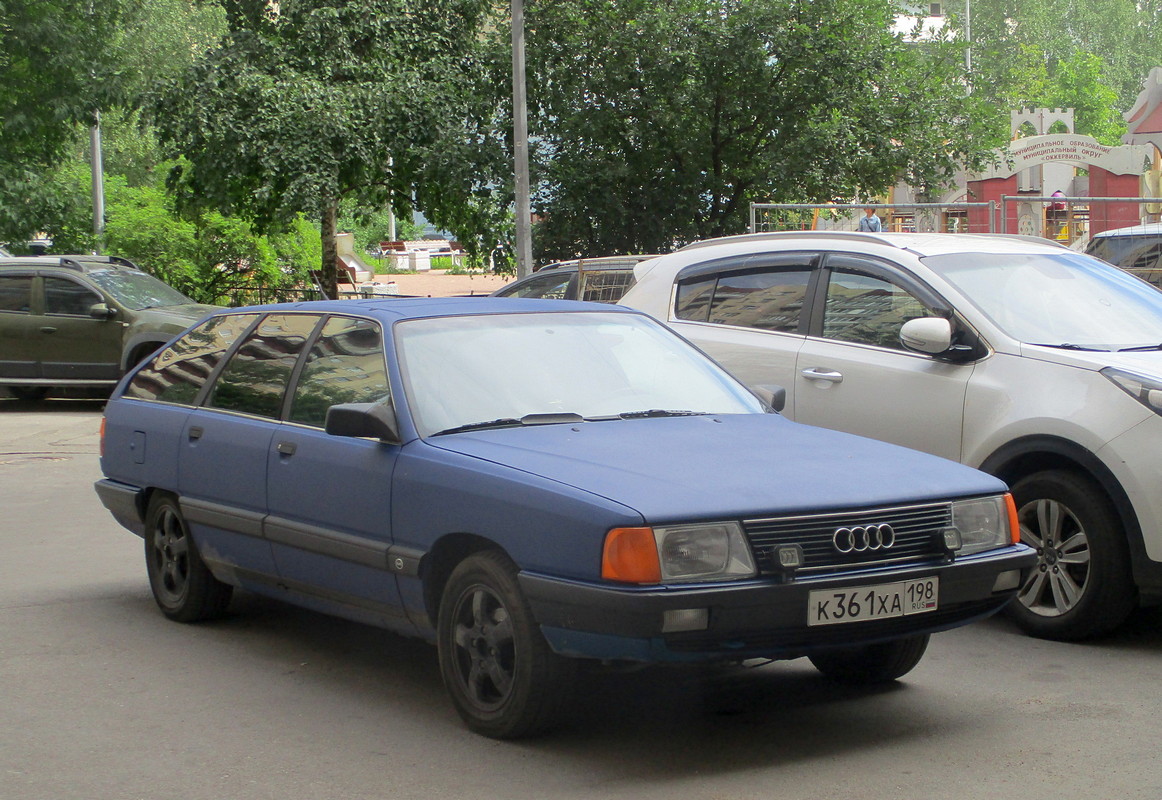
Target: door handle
195,432
817,374
286,448
48,329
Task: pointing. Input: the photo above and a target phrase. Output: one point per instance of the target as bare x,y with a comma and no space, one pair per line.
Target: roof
400,308
80,263
1153,229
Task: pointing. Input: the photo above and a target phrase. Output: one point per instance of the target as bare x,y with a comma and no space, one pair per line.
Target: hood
191,311
1147,362
724,467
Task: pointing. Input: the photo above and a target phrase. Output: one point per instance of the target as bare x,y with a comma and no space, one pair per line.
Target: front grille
918,537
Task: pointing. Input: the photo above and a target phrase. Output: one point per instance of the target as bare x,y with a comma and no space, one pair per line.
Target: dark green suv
81,321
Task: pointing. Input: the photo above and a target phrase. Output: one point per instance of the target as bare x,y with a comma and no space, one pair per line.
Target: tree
657,123
58,64
1090,56
307,103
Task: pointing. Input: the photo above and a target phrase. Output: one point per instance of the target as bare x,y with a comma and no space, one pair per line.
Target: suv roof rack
882,238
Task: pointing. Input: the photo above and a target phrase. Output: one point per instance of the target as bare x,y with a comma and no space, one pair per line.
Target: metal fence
900,217
1072,220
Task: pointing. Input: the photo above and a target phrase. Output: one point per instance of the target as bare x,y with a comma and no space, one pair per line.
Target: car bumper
757,618
124,503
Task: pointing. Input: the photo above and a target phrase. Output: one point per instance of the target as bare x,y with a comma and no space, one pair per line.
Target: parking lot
103,698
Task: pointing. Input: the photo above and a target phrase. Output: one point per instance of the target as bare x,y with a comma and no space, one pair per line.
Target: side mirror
932,335
363,420
774,397
101,311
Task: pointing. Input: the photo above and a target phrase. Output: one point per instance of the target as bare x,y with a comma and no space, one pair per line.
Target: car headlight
713,551
1147,391
983,524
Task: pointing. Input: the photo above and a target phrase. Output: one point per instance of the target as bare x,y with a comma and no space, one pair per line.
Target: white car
1012,354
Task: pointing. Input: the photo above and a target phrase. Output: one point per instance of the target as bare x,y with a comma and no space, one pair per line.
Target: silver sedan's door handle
816,374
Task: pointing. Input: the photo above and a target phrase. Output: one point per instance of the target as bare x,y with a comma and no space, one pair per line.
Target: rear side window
345,365
179,372
552,286
16,293
255,379
767,299
605,286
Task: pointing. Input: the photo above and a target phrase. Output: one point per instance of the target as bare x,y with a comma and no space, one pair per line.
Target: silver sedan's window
464,370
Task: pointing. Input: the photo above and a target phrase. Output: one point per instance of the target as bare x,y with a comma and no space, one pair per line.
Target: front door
854,375
330,496
72,344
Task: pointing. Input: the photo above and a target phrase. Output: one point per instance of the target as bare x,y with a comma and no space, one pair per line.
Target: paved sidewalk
439,283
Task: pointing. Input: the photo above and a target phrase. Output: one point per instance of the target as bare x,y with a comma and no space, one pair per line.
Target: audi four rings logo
864,538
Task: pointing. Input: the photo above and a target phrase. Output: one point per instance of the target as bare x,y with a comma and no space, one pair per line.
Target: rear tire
872,663
504,680
182,584
1082,585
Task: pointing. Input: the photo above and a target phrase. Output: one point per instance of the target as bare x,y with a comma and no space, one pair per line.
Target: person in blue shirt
871,223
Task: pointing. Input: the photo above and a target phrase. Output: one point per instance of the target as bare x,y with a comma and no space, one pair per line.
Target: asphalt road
101,697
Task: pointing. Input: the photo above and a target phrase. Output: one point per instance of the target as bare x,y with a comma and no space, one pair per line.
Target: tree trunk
329,275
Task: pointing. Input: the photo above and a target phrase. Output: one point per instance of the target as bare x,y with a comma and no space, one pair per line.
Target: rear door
18,357
225,445
750,315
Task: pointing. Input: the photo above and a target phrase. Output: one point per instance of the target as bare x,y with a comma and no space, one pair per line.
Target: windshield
1064,299
463,371
136,290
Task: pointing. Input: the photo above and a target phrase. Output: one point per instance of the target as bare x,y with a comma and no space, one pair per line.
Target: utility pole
98,171
520,144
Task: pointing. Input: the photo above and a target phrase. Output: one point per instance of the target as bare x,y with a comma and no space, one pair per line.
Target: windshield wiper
1068,346
659,412
1140,348
513,422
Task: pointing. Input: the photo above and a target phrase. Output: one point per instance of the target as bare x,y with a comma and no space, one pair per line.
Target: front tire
182,584
871,663
504,680
1082,585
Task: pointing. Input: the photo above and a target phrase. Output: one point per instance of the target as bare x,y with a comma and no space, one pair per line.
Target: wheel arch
138,349
438,563
1031,454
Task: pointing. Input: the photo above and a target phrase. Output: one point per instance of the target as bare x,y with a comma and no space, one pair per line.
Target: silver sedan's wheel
1059,580
1081,585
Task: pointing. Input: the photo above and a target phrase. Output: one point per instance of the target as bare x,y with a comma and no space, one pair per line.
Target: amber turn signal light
631,556
1014,525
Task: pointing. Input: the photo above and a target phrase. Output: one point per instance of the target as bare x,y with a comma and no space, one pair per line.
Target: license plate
862,603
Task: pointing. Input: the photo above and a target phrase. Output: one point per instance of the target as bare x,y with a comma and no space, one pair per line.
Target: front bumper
759,617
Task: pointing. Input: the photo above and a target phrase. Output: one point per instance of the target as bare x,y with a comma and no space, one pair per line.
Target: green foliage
311,102
57,65
371,228
658,123
1090,56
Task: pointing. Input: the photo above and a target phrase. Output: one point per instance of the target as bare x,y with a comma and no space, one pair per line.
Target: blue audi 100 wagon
528,483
